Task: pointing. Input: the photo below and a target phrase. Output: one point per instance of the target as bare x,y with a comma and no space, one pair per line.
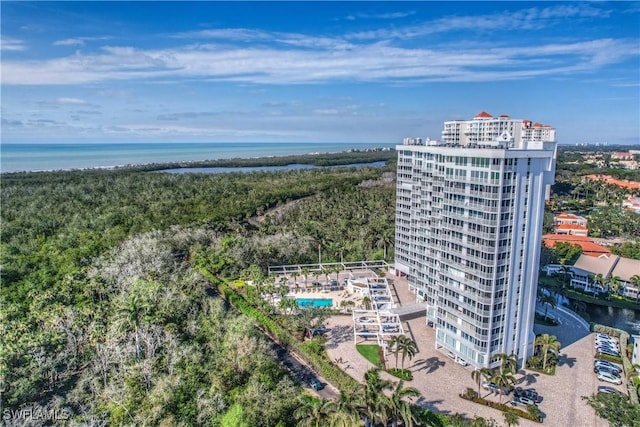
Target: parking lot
441,380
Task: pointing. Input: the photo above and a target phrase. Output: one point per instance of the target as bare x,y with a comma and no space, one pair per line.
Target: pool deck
336,296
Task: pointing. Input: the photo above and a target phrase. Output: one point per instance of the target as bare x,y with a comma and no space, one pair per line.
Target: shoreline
310,158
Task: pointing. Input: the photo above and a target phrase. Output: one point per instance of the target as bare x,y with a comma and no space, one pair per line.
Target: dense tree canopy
103,315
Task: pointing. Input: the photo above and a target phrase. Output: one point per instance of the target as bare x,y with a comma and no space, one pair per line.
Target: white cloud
70,101
11,44
525,19
69,42
273,65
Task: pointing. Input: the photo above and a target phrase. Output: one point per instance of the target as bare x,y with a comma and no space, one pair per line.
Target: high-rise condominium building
469,213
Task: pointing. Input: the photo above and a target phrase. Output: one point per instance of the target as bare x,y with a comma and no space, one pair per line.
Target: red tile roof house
632,203
570,224
589,248
631,185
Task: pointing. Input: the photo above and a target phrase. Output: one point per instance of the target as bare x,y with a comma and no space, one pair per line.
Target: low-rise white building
587,268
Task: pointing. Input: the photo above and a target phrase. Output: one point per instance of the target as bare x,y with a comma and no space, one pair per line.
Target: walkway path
441,380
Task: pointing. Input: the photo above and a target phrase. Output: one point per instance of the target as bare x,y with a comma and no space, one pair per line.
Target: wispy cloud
78,41
246,36
70,101
390,15
69,42
11,44
290,65
526,19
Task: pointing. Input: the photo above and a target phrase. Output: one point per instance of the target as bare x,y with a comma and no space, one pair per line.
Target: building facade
568,223
469,214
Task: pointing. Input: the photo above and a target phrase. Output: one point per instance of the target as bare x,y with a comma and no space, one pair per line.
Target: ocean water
54,156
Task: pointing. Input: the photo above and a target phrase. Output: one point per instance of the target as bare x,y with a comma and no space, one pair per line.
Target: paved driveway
441,380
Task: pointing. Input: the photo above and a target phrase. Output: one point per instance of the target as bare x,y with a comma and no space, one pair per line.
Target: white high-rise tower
469,213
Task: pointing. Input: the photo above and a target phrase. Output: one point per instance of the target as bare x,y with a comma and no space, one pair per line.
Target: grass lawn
370,352
615,301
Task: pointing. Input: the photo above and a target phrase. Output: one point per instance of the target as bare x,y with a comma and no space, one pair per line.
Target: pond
621,318
293,166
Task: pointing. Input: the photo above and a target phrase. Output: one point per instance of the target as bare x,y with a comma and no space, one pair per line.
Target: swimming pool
314,302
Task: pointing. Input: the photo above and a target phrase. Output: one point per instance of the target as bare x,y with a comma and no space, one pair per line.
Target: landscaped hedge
613,359
501,407
319,362
403,374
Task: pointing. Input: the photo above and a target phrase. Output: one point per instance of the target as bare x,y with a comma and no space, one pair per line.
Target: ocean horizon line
60,157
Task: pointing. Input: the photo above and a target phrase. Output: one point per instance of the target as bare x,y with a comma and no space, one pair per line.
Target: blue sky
315,71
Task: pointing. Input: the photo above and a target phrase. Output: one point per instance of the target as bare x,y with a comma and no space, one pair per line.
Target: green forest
106,320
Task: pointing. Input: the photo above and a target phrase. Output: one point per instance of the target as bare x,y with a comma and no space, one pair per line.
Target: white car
605,376
522,400
605,336
606,342
366,320
606,364
606,345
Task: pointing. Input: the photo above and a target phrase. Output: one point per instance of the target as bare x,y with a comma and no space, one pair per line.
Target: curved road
301,372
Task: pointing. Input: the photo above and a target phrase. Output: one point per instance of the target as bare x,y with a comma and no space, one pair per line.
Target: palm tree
547,300
479,421
326,271
479,374
511,418
399,408
312,412
366,302
336,269
598,279
375,401
547,342
283,282
508,363
287,305
504,380
565,273
407,347
393,347
347,410
635,281
385,239
614,285
305,274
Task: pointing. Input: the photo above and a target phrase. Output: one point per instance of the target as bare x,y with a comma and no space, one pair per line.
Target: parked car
605,389
494,388
316,385
605,342
523,401
613,372
366,320
606,364
608,352
603,348
605,376
606,347
528,393
605,336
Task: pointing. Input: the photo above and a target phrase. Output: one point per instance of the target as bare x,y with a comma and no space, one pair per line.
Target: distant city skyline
315,71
